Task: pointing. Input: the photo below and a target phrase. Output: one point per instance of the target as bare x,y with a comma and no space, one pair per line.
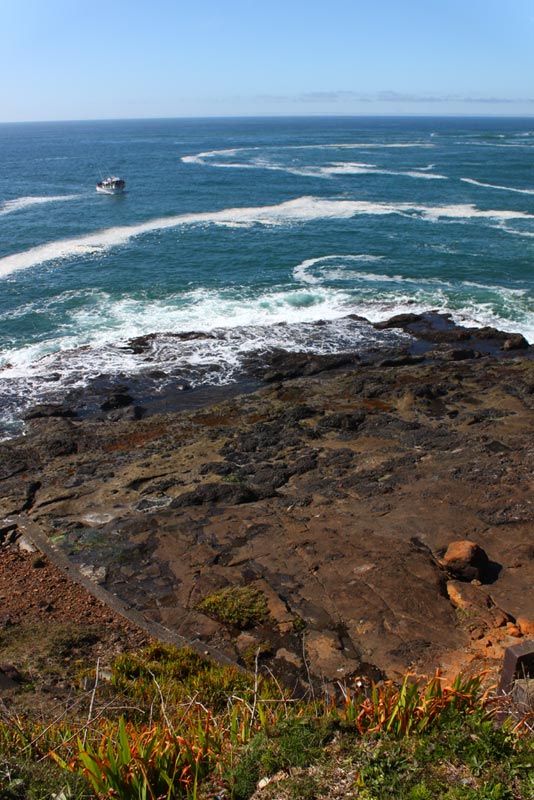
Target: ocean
245,234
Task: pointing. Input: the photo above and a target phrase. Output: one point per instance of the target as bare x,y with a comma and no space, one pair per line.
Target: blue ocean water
250,230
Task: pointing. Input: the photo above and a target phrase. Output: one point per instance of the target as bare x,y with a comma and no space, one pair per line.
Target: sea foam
496,186
298,211
20,203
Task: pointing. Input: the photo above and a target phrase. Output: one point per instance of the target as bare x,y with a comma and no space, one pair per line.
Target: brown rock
325,656
466,596
526,626
465,561
513,630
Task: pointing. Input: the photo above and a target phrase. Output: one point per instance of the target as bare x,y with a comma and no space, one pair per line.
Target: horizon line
317,115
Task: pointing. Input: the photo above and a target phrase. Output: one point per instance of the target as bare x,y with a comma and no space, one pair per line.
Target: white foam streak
206,156
337,168
20,203
526,234
298,211
302,272
496,186
355,168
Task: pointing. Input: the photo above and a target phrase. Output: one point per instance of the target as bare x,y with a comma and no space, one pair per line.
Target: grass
173,725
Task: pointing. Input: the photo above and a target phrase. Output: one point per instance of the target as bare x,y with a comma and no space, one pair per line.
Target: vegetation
171,725
239,606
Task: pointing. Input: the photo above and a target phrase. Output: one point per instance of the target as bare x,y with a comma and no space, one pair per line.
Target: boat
112,185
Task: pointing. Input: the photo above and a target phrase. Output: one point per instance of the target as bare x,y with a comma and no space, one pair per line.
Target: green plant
152,764
412,707
239,606
177,674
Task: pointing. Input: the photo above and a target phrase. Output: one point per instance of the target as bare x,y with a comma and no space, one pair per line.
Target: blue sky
96,59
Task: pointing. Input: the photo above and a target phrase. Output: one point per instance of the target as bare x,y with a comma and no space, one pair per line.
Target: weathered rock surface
337,491
466,561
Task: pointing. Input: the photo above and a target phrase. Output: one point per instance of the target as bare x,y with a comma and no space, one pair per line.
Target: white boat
112,185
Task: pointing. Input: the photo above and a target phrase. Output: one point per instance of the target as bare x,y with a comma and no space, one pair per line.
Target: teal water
250,230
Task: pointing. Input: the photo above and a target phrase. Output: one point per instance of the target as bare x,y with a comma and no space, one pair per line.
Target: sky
112,59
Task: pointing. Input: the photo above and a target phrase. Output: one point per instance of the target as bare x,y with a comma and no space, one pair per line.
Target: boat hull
106,190
112,185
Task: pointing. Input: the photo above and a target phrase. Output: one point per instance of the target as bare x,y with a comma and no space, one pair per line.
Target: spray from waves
20,203
298,211
215,356
378,296
97,340
225,327
104,319
495,186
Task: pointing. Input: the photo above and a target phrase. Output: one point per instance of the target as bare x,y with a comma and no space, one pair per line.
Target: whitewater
248,233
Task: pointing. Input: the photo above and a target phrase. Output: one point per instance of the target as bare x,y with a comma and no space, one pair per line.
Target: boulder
466,561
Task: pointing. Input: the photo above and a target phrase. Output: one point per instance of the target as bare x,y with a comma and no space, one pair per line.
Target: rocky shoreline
334,493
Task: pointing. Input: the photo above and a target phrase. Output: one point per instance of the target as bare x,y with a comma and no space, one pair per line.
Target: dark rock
49,410
131,413
515,342
342,422
10,671
280,365
56,438
140,344
115,400
398,321
12,461
211,493
401,361
462,355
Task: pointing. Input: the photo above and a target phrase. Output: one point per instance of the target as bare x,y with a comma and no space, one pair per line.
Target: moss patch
239,606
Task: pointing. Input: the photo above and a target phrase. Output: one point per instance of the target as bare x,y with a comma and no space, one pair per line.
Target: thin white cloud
390,96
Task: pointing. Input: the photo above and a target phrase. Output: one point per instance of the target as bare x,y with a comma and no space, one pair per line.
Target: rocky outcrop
381,505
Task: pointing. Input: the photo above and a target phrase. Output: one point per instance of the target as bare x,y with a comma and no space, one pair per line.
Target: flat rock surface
334,494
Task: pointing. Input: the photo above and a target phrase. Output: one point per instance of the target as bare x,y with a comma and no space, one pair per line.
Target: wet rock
141,344
281,365
130,412
117,399
462,355
515,342
398,321
47,410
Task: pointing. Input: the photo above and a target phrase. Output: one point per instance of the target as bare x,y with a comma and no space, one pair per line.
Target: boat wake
20,203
